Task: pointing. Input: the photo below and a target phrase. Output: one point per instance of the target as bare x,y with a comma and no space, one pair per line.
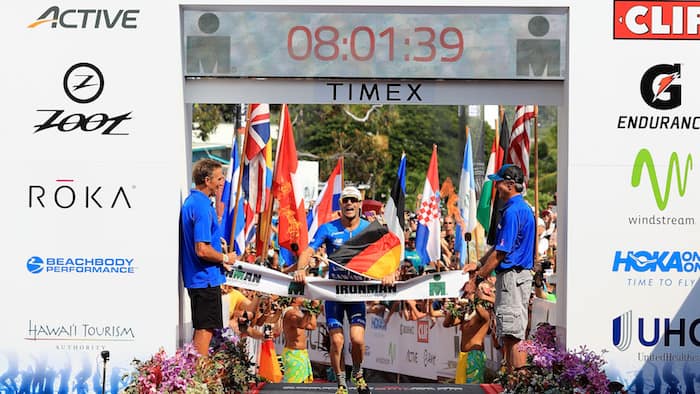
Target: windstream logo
644,159
86,18
664,261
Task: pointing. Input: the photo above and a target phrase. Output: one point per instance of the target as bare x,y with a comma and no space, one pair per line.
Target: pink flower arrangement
553,369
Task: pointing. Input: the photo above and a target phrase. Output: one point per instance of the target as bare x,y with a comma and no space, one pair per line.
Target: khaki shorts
512,299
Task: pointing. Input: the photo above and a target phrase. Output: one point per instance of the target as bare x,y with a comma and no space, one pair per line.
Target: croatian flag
466,222
328,200
428,215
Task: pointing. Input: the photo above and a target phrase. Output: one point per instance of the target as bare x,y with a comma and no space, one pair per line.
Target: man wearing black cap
512,258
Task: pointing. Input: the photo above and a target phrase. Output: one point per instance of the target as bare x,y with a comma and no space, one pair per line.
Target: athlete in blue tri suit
334,234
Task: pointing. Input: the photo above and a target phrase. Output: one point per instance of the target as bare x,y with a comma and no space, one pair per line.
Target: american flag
519,148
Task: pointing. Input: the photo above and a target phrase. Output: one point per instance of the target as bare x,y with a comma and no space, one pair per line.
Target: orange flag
269,366
292,231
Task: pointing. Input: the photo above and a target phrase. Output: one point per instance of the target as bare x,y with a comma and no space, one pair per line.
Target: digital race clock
352,42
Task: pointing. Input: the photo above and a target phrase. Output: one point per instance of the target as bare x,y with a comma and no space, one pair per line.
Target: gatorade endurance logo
644,160
659,87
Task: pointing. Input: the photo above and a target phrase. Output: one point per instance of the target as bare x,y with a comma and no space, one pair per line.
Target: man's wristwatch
478,279
225,258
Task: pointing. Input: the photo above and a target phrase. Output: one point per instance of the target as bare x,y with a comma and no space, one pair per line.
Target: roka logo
659,87
656,20
83,83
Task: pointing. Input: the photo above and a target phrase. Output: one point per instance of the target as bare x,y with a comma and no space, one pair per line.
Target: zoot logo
658,87
681,332
83,83
644,159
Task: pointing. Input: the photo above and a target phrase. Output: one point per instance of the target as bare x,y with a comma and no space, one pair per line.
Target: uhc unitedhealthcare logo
685,261
81,265
654,331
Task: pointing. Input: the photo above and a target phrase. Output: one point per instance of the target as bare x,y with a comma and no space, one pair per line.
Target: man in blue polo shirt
512,257
202,262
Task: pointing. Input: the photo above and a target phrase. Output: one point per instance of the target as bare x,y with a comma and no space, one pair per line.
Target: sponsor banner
256,277
657,20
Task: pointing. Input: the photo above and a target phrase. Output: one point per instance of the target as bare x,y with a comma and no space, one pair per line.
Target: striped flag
255,170
519,147
428,215
466,222
292,231
328,200
374,252
495,203
394,209
244,220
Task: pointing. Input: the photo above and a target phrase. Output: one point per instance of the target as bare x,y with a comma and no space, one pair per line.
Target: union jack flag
255,168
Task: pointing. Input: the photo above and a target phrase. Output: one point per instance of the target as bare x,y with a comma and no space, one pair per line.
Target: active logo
86,18
80,265
83,83
685,261
659,87
650,331
644,160
656,20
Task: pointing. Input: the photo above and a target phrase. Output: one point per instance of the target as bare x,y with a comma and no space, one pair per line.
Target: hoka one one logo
644,160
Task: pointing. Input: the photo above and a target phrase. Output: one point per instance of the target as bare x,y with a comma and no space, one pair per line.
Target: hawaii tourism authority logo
660,191
664,332
80,265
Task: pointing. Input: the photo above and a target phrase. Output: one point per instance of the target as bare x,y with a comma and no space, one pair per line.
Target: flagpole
240,180
537,173
266,216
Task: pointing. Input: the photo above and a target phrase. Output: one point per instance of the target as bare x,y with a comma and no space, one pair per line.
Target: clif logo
659,87
657,20
86,18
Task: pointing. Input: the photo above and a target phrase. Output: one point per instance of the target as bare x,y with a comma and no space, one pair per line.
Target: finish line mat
274,388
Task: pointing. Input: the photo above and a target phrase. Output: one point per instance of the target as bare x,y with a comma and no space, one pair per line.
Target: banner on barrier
255,277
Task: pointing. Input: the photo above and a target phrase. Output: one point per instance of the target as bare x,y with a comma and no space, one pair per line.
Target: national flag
291,231
483,212
255,169
428,215
228,197
519,146
466,222
269,367
374,252
328,200
394,209
500,160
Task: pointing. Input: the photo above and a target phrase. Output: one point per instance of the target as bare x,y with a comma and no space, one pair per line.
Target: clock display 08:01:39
326,44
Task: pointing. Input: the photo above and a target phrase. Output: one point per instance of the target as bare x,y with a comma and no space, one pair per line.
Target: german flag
375,252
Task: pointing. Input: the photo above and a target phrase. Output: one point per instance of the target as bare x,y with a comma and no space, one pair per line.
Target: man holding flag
334,234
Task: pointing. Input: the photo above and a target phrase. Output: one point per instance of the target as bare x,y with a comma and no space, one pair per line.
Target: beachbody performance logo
682,333
660,89
87,18
83,83
656,20
81,265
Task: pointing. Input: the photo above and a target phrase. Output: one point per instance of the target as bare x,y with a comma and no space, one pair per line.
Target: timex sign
371,92
83,83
